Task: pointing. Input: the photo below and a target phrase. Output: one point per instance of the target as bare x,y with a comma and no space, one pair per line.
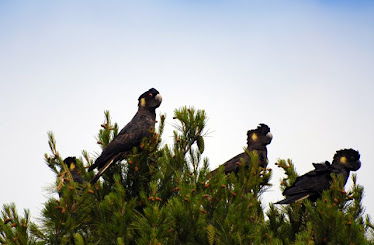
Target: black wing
232,165
308,185
130,136
119,145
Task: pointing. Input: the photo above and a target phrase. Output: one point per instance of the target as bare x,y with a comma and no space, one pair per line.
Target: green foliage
108,131
166,195
233,203
290,172
15,229
113,216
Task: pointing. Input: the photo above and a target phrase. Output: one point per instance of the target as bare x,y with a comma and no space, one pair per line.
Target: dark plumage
312,184
131,135
71,162
257,140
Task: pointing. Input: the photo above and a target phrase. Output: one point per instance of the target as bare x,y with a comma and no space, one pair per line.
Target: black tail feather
294,198
101,171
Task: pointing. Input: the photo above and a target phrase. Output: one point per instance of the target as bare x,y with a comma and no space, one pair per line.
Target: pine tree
167,195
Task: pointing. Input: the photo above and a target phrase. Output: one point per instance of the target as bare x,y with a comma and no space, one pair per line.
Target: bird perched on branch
131,135
312,184
71,162
257,140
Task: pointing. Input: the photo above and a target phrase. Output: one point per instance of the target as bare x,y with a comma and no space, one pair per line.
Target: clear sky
305,68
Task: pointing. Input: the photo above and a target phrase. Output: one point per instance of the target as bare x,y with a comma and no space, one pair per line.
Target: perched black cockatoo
131,135
71,162
257,140
312,184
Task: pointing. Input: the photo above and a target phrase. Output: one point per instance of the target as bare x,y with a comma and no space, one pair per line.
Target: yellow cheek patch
142,102
72,167
254,137
343,160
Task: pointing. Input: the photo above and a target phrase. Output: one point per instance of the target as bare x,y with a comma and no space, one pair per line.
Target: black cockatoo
257,140
71,162
312,184
131,135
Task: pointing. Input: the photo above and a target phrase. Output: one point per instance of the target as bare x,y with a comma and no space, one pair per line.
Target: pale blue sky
303,67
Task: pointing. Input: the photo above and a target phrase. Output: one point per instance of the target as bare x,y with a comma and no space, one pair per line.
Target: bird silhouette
131,135
71,162
312,184
257,140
